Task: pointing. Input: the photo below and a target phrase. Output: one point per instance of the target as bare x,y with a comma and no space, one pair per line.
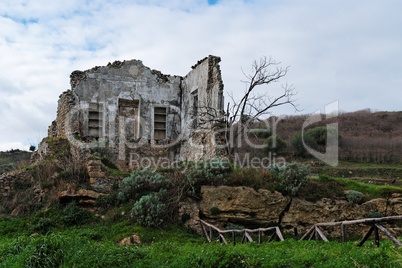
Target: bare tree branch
258,99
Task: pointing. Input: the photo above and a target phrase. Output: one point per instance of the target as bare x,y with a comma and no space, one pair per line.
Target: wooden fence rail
317,233
246,234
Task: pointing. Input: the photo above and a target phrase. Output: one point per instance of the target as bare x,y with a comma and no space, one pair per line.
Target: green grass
356,169
96,245
66,236
11,160
370,190
119,173
335,188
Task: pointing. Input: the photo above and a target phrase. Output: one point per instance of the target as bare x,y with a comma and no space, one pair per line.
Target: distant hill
364,136
11,159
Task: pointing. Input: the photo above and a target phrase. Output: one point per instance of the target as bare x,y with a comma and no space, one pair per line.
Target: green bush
374,214
252,177
291,176
203,172
105,154
354,197
106,201
215,211
141,182
319,135
313,138
261,133
74,215
42,225
212,169
274,144
149,210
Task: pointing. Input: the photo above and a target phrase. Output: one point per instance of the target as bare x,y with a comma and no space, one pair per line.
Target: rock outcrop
242,205
131,240
225,206
82,196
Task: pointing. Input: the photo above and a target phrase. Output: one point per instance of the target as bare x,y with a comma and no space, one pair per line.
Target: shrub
252,177
275,144
354,197
74,215
319,135
297,144
205,172
374,214
42,225
231,226
149,210
105,201
212,169
215,211
141,182
105,154
262,133
291,176
313,138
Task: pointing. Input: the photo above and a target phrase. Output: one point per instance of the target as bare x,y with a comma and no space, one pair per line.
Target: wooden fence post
234,238
376,236
390,236
366,236
344,235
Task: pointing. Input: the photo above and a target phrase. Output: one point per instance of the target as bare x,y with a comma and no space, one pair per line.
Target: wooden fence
317,233
246,235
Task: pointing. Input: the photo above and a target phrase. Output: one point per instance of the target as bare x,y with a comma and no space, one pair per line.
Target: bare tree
258,99
256,103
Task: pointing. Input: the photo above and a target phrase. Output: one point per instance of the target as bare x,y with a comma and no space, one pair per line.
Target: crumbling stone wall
14,187
58,127
201,131
6,184
135,111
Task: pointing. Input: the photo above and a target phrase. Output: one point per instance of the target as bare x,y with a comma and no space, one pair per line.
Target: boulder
131,240
82,196
242,205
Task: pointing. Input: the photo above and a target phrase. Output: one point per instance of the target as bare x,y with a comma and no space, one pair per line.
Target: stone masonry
143,117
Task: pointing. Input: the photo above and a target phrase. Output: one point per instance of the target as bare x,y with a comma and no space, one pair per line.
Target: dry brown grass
364,136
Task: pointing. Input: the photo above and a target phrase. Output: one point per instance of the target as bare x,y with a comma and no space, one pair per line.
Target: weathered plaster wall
204,82
130,80
119,105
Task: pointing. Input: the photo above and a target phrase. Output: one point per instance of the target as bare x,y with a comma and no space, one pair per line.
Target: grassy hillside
69,236
364,136
95,244
11,159
390,173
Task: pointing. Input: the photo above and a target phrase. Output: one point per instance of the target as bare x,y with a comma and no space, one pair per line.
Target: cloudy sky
337,50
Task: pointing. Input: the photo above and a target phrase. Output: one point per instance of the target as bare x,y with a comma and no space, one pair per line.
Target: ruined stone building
141,115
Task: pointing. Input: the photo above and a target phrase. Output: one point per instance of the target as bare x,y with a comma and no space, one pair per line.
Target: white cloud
338,50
